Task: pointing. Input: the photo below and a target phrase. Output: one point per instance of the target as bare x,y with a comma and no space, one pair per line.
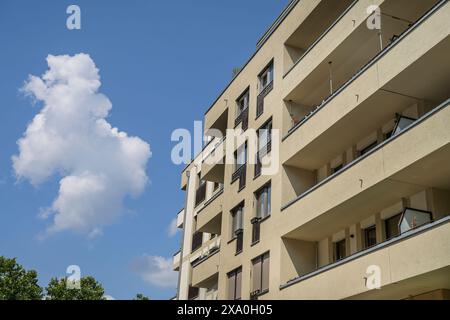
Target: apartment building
359,207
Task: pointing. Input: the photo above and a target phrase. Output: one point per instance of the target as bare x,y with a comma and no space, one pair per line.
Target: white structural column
185,265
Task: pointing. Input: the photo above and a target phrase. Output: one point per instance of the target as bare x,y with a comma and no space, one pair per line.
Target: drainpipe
188,174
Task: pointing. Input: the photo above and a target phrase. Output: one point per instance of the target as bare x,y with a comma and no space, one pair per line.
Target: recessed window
392,226
337,168
370,237
339,250
260,274
236,219
240,157
266,77
368,148
242,103
193,293
263,201
234,284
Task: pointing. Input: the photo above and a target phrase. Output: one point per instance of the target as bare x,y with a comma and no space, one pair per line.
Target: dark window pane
391,226
339,250
370,237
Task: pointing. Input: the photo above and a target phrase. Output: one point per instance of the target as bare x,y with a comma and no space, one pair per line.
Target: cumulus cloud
156,271
172,229
98,165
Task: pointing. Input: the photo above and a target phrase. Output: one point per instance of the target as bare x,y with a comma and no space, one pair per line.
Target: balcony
312,90
316,25
403,164
373,97
213,165
176,261
205,267
405,262
209,218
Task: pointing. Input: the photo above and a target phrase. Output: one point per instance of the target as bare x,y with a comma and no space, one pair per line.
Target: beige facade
359,206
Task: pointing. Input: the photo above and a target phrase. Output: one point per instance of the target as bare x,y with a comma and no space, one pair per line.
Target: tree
90,289
140,296
16,283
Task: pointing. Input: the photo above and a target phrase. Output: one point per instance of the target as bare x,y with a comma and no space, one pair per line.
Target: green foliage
140,296
90,289
16,283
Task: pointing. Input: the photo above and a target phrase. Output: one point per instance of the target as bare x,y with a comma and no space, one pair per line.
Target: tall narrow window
265,85
266,77
236,219
339,250
370,237
392,226
234,284
368,148
242,103
260,275
263,201
241,156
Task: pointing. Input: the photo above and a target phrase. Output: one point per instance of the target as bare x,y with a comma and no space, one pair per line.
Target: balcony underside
416,286
428,80
206,272
356,50
411,266
409,163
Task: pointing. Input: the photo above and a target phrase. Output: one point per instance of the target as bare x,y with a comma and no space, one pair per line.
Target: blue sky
161,64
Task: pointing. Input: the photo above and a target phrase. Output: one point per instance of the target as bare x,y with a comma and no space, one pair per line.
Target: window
388,134
339,250
402,123
234,284
265,85
242,103
266,77
236,219
240,157
370,237
197,240
264,145
193,293
260,275
200,194
337,168
368,148
391,226
263,201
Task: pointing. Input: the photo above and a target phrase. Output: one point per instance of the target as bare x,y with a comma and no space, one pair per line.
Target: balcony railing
240,173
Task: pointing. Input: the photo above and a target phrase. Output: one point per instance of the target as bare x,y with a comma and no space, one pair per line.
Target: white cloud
98,165
156,271
172,229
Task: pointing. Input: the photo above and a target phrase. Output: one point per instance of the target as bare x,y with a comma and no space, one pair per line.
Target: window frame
336,246
234,273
